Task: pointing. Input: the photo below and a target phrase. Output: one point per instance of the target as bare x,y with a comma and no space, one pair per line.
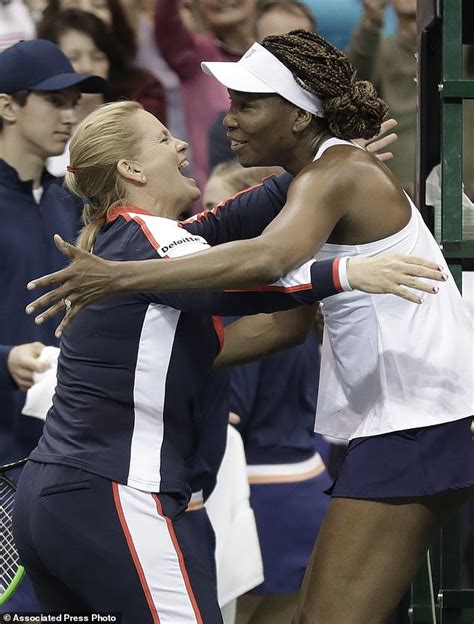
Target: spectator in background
72,28
91,48
337,20
39,90
110,12
390,63
16,23
141,17
76,32
274,17
231,29
131,25
277,17
36,82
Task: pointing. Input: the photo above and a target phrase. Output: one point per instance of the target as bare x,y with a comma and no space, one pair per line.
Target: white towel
238,557
39,397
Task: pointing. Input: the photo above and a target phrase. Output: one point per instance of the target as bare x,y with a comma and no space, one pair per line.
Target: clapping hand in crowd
374,11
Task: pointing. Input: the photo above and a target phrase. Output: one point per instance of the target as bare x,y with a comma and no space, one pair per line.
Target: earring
143,178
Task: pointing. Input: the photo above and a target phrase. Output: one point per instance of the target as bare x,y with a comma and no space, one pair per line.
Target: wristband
342,272
329,277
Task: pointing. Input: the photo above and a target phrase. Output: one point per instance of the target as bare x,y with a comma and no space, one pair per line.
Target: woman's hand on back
395,274
381,141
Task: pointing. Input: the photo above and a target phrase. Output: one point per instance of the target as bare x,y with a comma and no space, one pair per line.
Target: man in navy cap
39,91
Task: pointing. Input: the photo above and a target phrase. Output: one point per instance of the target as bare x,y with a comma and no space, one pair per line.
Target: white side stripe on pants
157,557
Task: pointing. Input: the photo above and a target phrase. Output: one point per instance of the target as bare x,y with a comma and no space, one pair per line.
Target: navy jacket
27,251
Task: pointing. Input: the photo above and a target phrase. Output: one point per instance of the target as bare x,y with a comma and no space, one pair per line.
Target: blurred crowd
151,51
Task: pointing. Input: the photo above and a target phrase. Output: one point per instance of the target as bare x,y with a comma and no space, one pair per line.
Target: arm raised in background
364,45
182,49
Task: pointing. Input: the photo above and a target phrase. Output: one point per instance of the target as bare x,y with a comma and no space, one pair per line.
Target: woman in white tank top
393,381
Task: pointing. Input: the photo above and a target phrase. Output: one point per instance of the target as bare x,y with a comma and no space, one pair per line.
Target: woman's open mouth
182,166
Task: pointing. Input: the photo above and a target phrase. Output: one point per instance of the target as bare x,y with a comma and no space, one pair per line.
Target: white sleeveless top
389,364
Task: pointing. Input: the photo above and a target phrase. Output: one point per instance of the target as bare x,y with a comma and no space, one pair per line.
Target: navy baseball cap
39,65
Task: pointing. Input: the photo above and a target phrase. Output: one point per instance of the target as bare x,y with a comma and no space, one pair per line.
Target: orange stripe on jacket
284,289
123,211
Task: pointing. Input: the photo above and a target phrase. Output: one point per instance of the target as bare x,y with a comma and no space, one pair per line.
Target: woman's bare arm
89,279
291,238
254,337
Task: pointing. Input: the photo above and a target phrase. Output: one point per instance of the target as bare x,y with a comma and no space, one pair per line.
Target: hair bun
361,91
358,113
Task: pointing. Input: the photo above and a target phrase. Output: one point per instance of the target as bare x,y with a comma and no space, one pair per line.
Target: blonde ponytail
99,142
93,220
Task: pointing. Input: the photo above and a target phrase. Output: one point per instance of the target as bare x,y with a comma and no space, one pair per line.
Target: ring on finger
67,304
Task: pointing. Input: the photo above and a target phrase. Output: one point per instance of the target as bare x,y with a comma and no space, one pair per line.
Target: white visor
258,71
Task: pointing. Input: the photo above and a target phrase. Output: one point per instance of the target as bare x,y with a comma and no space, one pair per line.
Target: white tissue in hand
39,397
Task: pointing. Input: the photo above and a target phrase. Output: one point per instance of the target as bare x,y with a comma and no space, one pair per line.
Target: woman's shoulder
343,162
132,234
344,175
337,165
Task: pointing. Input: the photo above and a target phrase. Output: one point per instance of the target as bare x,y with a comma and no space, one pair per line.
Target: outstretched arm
254,262
89,277
305,285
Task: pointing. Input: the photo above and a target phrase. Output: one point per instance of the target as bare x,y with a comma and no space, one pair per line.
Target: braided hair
352,108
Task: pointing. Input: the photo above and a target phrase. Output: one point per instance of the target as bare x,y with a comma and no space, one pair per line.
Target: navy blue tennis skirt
410,463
